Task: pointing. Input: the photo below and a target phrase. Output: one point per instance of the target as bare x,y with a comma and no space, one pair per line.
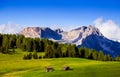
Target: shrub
27,56
40,57
35,56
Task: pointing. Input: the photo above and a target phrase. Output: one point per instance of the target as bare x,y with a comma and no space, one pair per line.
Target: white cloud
10,28
108,28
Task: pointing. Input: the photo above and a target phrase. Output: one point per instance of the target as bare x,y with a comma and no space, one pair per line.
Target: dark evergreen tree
36,44
1,39
82,52
49,52
29,45
90,56
71,50
105,58
87,53
5,44
19,41
95,55
12,41
117,58
109,57
58,52
100,56
24,44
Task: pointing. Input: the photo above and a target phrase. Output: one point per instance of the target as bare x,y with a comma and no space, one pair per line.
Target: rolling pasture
12,65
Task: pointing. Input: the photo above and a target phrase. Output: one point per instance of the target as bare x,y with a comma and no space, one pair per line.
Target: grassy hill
12,65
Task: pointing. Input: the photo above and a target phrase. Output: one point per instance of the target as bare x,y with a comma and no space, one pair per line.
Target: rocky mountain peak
77,35
80,28
41,32
31,32
94,30
88,30
58,30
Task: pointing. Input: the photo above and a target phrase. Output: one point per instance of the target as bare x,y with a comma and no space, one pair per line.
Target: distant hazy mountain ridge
89,37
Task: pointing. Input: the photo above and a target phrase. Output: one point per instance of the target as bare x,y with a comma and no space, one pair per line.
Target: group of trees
69,50
19,41
8,44
31,56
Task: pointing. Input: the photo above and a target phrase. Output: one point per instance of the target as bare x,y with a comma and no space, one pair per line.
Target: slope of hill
89,37
15,66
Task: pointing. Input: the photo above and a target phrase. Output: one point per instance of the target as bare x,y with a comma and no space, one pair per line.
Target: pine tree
82,52
105,58
19,41
5,44
29,45
12,41
100,56
49,52
1,39
109,57
117,58
58,52
95,55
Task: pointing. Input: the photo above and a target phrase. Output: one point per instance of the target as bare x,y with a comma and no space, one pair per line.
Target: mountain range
85,36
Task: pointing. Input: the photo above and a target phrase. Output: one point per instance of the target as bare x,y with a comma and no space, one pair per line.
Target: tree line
9,42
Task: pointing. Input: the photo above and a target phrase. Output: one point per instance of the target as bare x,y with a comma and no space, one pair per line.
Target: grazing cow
49,69
65,68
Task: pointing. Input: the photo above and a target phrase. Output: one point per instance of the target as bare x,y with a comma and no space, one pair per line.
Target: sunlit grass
12,65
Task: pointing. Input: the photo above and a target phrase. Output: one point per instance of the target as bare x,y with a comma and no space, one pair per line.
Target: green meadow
13,65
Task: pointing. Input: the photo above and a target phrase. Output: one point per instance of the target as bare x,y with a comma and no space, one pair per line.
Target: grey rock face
76,36
40,32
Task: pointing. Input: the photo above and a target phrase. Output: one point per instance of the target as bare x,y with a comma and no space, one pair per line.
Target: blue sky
58,12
